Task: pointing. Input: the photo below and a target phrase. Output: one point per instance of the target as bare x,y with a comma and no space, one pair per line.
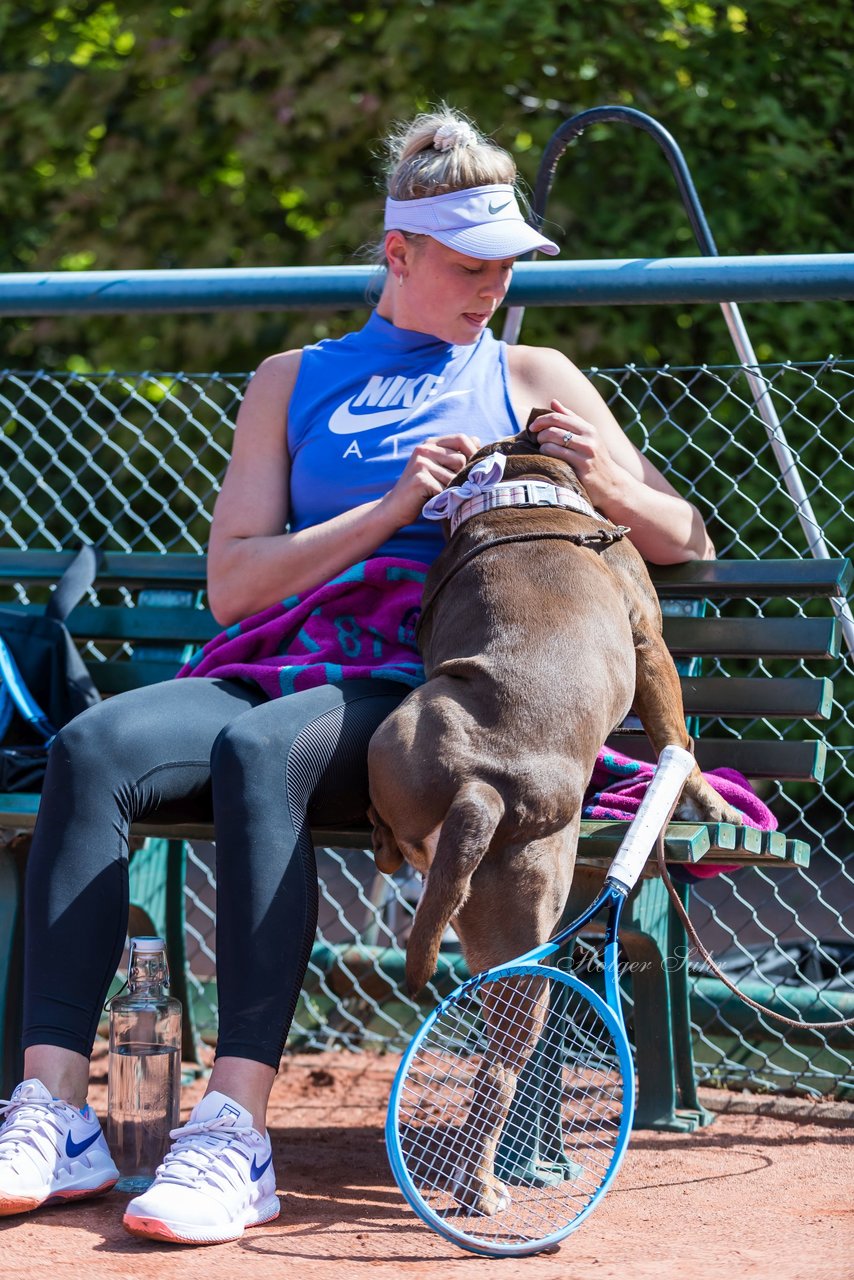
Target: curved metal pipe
759,387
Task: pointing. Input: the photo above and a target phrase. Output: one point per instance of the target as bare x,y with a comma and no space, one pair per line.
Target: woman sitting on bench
336,450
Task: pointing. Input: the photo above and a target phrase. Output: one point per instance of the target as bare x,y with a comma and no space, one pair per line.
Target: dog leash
707,956
598,541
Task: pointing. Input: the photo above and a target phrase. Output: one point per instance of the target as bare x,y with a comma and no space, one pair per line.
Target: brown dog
534,651
534,648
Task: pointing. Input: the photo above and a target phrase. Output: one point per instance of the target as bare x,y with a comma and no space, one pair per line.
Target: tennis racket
513,1104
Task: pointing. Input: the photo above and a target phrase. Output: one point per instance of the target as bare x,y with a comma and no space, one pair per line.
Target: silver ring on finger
566,438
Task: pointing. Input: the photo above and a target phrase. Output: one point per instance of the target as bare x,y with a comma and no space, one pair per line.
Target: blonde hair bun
440,151
455,133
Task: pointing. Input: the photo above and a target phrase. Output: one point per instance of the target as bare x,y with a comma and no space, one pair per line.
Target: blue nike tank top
362,403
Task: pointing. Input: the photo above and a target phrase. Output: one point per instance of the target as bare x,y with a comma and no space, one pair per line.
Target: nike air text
384,401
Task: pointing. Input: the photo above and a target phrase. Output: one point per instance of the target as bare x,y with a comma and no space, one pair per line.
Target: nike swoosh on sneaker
345,423
257,1170
73,1148
496,208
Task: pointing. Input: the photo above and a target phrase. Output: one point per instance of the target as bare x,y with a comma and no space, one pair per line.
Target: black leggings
263,770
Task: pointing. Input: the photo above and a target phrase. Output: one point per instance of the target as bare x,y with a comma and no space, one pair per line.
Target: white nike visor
482,222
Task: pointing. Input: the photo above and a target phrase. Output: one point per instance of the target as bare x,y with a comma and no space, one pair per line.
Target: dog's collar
483,489
521,493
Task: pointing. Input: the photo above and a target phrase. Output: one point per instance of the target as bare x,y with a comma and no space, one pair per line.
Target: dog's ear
525,441
532,417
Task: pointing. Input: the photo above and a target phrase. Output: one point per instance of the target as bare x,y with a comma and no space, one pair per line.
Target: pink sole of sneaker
26,1204
155,1229
17,1204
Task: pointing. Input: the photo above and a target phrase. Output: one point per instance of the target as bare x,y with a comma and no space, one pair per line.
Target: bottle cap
147,945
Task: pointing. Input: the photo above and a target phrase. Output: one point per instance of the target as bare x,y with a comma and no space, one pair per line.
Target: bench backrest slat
787,761
755,579
702,637
123,568
698,579
753,637
793,698
175,624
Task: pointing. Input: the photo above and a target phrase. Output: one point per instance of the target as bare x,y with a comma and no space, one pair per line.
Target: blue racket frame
609,1010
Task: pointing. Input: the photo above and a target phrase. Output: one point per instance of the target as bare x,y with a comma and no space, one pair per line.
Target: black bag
43,679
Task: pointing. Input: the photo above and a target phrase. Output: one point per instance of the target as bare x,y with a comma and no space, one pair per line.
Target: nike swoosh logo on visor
73,1148
345,423
257,1170
496,208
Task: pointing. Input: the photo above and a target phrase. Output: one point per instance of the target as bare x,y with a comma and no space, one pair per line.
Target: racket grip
671,772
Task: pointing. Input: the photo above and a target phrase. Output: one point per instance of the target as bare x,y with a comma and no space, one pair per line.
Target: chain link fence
133,462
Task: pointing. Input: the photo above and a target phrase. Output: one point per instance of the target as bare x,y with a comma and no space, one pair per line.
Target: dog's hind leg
536,880
514,1013
467,831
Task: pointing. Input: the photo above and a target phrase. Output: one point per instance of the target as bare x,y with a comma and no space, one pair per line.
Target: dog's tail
466,834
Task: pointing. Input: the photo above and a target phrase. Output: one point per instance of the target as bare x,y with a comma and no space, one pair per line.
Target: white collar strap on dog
483,490
482,222
522,493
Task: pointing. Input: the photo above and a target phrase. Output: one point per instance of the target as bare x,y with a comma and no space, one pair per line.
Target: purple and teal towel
619,783
359,625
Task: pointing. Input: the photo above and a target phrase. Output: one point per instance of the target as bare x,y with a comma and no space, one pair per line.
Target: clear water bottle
145,1067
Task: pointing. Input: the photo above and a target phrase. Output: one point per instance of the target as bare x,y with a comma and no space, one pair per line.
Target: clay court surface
753,1195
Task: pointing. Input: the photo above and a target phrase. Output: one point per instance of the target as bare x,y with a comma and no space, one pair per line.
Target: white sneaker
217,1180
50,1151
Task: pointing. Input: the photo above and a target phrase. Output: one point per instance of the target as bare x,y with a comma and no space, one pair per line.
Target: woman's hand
566,435
431,466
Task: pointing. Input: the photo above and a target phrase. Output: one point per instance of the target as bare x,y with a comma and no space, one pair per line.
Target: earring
400,279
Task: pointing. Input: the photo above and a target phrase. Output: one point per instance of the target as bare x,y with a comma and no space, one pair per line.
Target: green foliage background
244,132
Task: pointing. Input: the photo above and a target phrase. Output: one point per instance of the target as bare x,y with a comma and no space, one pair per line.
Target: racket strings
510,1115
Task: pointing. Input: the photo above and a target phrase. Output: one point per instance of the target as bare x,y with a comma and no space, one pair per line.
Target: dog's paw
479,1195
701,803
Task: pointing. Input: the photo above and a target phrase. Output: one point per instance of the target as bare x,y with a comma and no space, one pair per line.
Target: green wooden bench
160,616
